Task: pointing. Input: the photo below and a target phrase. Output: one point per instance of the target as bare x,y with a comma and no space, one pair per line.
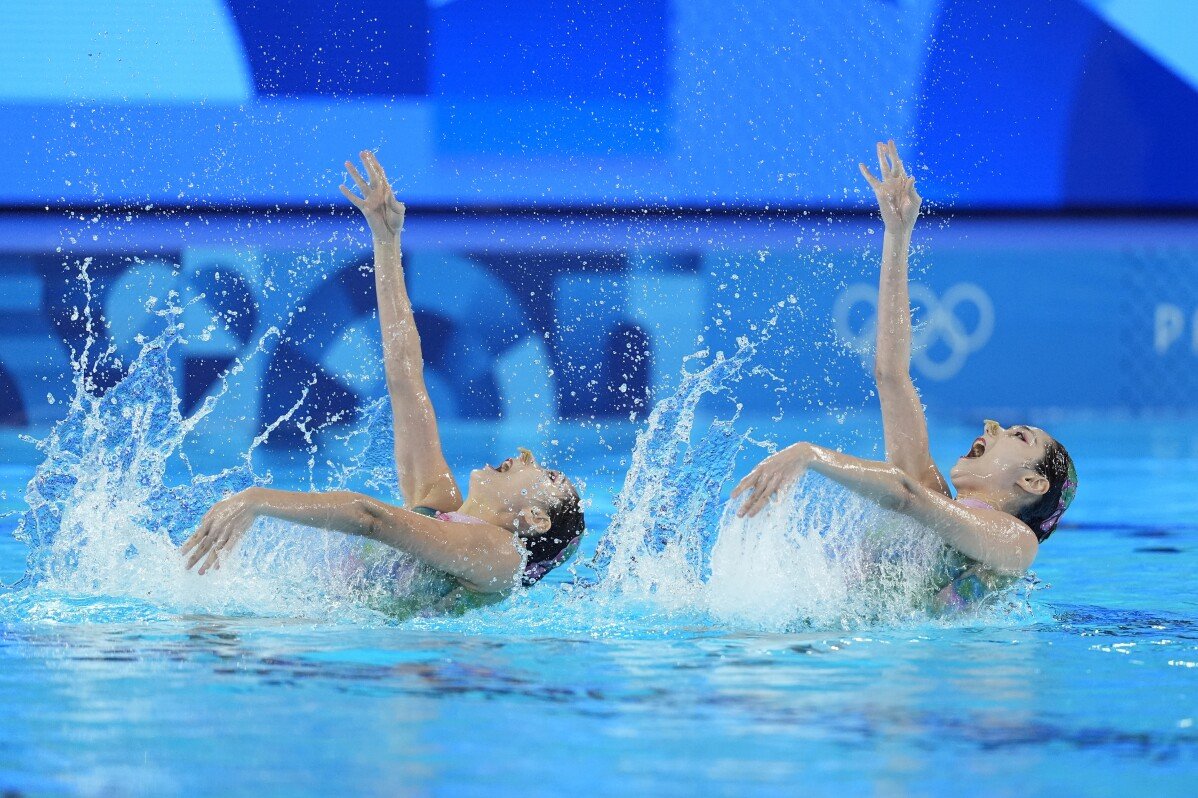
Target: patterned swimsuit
964,582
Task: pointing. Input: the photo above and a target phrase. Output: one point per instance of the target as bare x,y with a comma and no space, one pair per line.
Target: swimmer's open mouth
978,449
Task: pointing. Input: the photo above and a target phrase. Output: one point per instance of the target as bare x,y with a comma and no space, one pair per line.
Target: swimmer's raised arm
483,556
425,478
903,423
995,539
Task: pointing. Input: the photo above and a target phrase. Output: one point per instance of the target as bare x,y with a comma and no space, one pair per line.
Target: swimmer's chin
960,469
965,474
481,477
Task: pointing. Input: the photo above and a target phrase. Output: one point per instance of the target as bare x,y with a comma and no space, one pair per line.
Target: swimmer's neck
997,502
485,512
1011,501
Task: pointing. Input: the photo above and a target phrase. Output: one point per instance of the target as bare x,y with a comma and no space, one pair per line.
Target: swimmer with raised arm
1012,486
518,521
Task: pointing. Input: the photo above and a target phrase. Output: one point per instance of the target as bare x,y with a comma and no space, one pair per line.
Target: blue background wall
1026,103
196,148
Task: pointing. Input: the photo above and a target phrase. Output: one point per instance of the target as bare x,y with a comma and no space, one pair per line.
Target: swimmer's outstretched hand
778,471
383,212
220,529
896,193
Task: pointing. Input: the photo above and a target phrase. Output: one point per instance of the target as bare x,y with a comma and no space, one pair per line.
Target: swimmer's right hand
383,212
220,529
774,473
897,198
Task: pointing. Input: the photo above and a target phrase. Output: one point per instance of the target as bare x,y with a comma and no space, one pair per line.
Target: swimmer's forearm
336,511
903,423
904,426
339,511
484,557
893,358
424,474
884,483
403,360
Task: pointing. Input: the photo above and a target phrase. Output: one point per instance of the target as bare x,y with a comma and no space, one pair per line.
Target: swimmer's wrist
809,454
254,499
384,237
799,456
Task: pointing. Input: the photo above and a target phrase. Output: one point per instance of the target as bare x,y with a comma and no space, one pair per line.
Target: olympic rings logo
935,320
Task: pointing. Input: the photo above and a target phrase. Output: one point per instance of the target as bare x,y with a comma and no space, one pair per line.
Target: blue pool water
746,663
594,191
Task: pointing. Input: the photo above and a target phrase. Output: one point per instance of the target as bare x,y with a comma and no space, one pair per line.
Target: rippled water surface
1092,689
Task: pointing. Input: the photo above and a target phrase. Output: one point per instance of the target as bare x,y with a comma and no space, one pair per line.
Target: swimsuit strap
459,518
975,504
452,516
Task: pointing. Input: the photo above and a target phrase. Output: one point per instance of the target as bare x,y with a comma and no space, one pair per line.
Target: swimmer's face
1002,459
519,483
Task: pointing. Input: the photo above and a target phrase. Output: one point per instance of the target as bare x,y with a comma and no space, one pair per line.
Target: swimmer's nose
991,426
526,456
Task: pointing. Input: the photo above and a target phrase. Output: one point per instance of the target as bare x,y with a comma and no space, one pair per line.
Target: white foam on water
104,522
817,556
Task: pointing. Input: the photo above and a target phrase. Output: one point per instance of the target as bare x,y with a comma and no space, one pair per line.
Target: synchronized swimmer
1014,483
520,520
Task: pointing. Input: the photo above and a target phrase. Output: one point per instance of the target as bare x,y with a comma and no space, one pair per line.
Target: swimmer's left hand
774,473
220,530
384,213
898,200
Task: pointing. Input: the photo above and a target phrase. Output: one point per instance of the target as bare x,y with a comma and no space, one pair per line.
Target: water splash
818,557
821,557
666,515
116,494
109,457
106,513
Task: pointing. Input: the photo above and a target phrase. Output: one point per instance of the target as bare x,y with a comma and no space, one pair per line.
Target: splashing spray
818,556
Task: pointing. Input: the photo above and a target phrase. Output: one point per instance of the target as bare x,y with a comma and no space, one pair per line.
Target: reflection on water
191,691
848,686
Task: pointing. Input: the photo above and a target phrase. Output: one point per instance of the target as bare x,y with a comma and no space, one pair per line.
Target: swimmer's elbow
903,494
1024,554
366,516
887,375
896,501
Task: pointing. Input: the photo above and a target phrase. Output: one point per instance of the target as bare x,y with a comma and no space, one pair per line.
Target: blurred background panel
1027,104
598,189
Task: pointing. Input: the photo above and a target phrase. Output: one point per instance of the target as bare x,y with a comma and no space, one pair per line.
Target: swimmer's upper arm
424,475
994,539
484,557
905,430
